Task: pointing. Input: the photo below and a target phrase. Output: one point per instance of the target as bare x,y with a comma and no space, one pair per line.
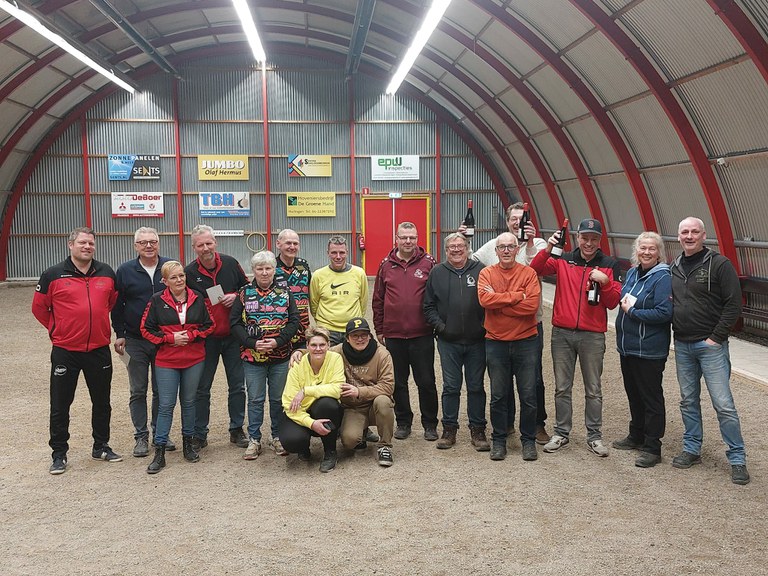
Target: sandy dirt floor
434,512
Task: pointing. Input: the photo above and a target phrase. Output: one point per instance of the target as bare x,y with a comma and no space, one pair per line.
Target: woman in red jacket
177,320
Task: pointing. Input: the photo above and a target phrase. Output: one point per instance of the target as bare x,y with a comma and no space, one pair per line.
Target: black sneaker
402,432
370,436
529,451
627,443
498,451
361,445
305,456
647,460
430,434
197,443
329,461
385,456
59,466
238,438
739,474
685,460
141,449
105,453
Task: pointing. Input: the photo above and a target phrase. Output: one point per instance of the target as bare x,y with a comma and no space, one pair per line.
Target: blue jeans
472,358
694,359
142,353
229,350
507,361
172,382
256,378
589,347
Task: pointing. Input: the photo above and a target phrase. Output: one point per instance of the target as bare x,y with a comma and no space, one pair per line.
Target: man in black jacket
707,303
451,306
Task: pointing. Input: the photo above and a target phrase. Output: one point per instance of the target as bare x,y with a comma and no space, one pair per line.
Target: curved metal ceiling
581,106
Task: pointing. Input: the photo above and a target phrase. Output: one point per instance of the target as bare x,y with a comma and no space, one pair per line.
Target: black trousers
66,366
642,381
541,410
295,437
417,354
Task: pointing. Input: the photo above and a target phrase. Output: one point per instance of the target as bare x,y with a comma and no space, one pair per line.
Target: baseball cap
357,324
590,225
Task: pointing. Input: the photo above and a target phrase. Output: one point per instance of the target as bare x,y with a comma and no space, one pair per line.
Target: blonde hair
313,331
648,236
169,266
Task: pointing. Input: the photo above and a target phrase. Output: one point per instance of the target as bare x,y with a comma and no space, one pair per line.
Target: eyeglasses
360,335
457,248
407,238
144,243
506,247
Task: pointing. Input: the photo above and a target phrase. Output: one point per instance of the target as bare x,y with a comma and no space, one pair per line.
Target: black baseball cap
591,225
357,324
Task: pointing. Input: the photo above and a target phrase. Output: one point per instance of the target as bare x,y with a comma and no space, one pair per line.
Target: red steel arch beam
597,110
677,117
535,103
745,32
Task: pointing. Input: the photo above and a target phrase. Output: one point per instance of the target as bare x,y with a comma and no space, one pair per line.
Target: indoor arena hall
447,512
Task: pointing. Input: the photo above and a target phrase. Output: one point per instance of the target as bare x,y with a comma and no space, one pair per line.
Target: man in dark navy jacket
137,280
73,301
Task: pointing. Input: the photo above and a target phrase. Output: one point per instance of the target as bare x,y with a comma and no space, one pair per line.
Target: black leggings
295,437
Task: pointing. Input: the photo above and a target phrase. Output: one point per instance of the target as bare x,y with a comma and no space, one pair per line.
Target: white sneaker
597,447
253,451
277,446
555,443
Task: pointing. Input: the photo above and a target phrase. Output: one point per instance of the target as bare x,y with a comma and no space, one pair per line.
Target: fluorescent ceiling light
249,27
431,20
33,22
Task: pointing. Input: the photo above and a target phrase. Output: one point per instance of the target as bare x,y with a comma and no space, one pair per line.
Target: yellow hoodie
327,382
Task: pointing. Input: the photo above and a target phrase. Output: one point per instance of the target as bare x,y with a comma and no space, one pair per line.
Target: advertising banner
397,167
311,204
129,205
133,166
309,165
224,204
221,167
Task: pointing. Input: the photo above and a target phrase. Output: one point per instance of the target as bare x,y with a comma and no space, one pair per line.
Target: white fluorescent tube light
249,28
30,20
431,20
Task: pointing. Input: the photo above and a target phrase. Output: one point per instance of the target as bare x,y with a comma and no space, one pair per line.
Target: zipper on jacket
90,313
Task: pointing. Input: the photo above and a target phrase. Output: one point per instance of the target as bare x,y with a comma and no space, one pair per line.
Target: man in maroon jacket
400,325
213,270
73,301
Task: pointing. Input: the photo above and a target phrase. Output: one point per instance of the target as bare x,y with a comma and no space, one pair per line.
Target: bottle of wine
557,249
469,221
524,220
593,293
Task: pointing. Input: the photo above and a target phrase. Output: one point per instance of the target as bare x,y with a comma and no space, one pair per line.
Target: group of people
334,379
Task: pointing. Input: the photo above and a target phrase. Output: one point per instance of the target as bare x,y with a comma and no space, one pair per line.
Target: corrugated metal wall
220,112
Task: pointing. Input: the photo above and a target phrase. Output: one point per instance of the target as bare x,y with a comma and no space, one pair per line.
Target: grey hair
202,229
454,236
406,226
265,257
648,236
145,230
284,232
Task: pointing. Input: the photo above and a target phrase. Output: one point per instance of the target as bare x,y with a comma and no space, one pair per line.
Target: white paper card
629,299
215,294
125,358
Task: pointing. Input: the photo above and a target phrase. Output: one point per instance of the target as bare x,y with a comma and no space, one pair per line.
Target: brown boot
448,439
479,441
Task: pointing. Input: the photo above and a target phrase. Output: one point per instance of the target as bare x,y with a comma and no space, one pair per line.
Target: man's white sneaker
253,451
597,447
555,443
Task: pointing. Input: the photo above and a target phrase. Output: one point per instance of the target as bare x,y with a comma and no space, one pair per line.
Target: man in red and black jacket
73,301
212,269
578,328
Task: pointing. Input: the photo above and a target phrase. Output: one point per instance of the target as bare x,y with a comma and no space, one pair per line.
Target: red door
381,216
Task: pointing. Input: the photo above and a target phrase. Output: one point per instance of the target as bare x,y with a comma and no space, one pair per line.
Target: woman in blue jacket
642,337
